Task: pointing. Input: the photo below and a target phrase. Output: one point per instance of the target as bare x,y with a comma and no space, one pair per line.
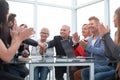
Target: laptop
70,53
68,49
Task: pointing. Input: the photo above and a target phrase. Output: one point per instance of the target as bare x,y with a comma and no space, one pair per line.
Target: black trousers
59,72
7,76
19,70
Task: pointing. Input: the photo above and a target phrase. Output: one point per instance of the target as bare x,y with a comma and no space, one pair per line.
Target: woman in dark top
112,47
7,51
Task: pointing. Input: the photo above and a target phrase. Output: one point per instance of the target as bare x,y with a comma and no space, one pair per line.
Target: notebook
68,49
70,56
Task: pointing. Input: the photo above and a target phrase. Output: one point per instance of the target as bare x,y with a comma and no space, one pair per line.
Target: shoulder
57,37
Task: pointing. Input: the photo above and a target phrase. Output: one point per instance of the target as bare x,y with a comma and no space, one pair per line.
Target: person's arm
6,54
114,50
111,50
50,44
18,35
79,50
31,42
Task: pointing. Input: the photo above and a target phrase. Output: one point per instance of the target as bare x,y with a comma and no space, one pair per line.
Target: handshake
42,47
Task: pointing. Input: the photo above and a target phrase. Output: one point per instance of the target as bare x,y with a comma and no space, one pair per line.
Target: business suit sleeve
31,42
56,42
53,42
112,48
50,44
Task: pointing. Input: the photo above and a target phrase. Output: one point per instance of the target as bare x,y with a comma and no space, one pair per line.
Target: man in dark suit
56,42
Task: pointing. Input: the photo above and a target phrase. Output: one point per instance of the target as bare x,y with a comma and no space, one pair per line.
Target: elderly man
56,42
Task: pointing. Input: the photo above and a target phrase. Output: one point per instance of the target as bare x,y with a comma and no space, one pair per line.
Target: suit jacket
30,42
56,42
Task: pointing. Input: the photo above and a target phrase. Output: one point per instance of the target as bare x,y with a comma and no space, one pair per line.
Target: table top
55,59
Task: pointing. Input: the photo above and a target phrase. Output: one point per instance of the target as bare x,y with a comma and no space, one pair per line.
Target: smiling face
65,31
93,24
85,30
44,34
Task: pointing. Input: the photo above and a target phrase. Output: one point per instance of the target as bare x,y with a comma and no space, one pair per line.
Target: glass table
53,61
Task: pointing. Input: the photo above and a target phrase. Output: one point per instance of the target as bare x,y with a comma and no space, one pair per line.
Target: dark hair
4,9
84,24
11,17
23,25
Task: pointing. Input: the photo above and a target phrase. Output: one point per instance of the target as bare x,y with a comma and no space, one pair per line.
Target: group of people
97,43
24,52
97,46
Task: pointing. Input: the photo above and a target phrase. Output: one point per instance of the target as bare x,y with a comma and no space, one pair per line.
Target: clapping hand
75,38
83,43
102,29
21,33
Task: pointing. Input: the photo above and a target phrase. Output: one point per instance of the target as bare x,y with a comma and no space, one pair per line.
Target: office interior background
55,13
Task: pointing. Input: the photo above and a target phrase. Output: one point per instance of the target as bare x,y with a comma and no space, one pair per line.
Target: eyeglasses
44,33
